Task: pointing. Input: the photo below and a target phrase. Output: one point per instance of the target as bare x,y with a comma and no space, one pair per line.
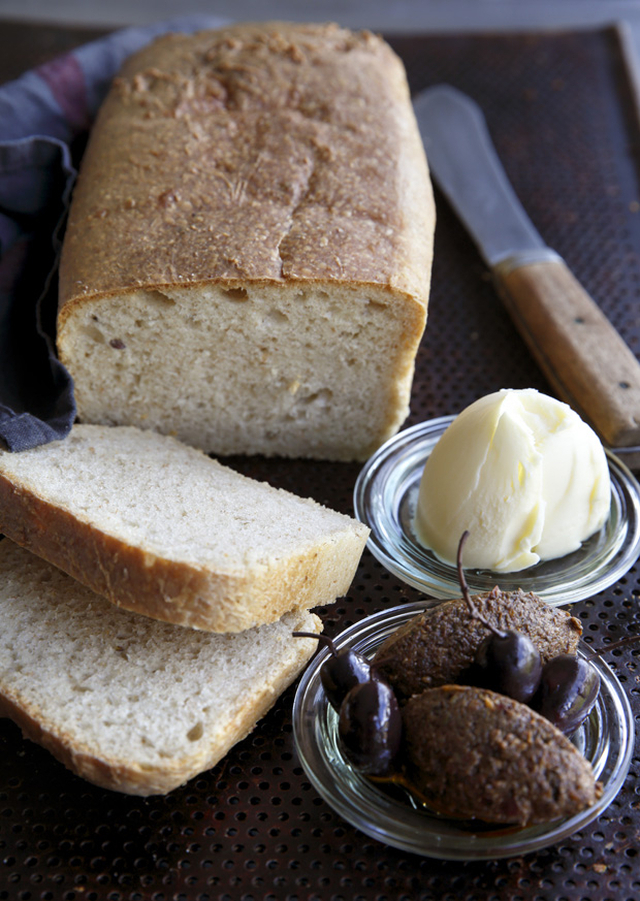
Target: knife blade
582,355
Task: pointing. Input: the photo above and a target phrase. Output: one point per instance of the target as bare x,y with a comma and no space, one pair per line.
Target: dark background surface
564,120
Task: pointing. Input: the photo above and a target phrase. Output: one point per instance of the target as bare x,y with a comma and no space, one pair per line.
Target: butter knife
582,355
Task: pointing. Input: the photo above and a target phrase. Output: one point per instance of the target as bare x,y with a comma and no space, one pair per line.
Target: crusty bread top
260,151
124,701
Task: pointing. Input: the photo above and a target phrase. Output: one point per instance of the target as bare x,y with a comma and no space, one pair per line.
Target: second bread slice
127,703
160,528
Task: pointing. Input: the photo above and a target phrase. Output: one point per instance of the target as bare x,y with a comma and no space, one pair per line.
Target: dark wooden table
253,828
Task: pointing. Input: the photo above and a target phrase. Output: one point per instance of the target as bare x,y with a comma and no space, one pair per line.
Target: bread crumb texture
125,701
173,500
254,201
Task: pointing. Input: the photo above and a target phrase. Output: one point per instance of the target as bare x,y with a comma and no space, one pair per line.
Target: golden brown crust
259,152
174,592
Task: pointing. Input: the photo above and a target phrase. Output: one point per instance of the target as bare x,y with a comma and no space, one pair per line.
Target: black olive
509,663
370,727
342,671
569,688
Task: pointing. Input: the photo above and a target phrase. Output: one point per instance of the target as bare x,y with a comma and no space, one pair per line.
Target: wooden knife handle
580,352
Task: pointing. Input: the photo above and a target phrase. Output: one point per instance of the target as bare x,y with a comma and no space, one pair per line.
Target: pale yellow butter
523,473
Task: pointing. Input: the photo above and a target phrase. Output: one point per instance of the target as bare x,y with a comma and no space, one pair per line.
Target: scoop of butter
523,473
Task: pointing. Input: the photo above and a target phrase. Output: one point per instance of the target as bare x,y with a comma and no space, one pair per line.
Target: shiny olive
569,688
370,727
509,663
342,671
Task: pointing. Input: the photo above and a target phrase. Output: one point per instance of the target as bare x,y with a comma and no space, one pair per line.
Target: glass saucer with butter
386,498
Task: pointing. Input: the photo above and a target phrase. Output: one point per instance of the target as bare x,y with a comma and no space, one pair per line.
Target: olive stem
466,594
323,638
633,639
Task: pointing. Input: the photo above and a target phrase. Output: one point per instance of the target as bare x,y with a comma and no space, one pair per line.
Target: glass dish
385,499
605,739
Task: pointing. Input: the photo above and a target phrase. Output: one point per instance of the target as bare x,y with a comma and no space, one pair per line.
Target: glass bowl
605,739
385,499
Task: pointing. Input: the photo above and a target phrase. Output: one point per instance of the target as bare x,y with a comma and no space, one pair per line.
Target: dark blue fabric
36,393
43,114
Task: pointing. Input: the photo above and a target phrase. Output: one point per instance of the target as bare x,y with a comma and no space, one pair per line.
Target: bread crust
257,152
177,592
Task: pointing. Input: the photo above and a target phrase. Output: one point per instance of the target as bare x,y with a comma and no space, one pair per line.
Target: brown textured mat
253,829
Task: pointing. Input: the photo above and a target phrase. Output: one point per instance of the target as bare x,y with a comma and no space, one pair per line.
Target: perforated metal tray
253,828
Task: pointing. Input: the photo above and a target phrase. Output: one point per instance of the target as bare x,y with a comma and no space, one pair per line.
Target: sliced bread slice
162,529
126,702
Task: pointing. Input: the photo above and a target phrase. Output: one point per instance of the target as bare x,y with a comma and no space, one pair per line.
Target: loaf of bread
248,255
126,702
158,527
